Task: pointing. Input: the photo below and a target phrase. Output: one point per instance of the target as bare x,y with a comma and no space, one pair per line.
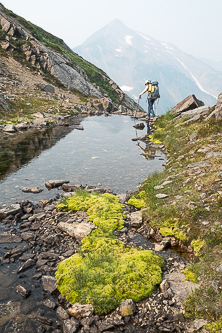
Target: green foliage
137,200
173,228
190,275
214,237
197,245
106,271
215,327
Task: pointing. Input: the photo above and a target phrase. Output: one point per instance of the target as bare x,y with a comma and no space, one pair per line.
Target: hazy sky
194,26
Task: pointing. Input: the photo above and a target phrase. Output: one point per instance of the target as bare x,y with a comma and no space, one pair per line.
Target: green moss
172,228
190,275
106,271
197,245
137,200
215,327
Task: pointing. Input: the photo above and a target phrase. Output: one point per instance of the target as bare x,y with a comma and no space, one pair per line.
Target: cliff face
51,58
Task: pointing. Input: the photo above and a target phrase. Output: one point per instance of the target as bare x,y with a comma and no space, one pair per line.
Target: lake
102,153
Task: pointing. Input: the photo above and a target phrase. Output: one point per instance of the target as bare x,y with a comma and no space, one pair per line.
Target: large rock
81,310
189,103
218,109
55,183
49,283
77,230
9,210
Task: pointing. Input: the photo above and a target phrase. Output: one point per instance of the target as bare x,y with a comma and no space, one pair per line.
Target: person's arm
143,92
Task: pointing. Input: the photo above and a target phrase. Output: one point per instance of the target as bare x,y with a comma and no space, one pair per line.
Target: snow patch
128,39
126,88
145,37
118,50
194,78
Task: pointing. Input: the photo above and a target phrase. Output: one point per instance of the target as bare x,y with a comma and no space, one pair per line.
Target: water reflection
18,149
102,153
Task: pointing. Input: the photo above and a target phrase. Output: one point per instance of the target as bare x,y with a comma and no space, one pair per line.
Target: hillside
34,59
132,57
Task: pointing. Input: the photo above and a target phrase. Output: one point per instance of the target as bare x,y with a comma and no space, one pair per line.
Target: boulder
136,219
55,183
10,210
80,310
70,325
49,283
127,308
189,103
218,109
32,190
77,230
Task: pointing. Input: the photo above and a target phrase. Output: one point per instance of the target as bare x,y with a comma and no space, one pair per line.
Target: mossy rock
106,271
172,228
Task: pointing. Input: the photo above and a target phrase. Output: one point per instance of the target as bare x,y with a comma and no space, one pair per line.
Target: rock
10,210
197,324
32,190
219,268
49,304
158,187
61,313
77,230
22,291
197,165
81,310
127,308
10,128
161,195
163,287
139,126
70,325
162,246
136,219
8,238
213,154
27,264
49,283
189,103
55,183
107,104
105,325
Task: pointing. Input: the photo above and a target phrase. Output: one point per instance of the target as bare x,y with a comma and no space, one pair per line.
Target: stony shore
35,241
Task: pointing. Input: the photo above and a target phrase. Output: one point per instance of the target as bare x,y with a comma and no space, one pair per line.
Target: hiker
151,99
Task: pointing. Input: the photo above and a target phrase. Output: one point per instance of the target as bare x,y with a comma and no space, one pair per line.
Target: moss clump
137,200
106,271
197,245
172,228
215,327
190,275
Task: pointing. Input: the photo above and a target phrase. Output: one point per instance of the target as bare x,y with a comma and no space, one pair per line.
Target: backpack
154,89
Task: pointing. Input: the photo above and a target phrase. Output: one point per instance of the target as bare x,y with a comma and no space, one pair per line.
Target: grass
199,200
105,271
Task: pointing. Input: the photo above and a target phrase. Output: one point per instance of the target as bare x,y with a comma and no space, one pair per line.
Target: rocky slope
41,58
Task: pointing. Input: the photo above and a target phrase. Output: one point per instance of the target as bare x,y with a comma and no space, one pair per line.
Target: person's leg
150,107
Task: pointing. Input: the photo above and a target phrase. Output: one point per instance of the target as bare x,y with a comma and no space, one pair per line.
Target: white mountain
130,58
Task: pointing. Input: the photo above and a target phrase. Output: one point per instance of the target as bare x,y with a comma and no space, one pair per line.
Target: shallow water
103,153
